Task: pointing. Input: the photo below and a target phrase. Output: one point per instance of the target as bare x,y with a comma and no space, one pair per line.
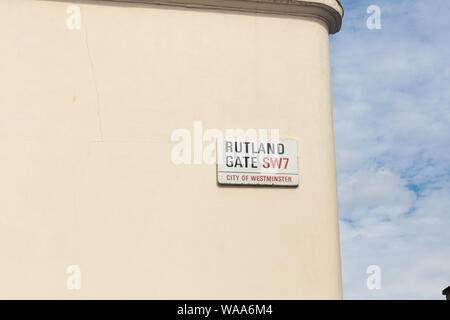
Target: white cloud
374,194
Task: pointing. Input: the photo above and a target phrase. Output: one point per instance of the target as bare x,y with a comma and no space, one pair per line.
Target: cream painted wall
86,118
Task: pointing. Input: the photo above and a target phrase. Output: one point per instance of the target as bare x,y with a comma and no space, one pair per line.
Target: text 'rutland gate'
253,162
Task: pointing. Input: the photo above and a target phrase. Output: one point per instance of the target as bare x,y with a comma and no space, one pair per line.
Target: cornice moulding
329,11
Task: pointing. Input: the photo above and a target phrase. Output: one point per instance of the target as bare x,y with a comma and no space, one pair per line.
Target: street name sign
257,162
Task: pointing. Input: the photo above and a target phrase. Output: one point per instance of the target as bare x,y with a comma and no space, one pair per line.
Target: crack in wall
94,79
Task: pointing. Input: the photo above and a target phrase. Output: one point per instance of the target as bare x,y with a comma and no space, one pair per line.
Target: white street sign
257,162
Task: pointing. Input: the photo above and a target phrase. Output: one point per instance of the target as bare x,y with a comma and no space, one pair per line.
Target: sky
391,98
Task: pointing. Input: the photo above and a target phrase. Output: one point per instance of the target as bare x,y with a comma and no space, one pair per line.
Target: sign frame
257,162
